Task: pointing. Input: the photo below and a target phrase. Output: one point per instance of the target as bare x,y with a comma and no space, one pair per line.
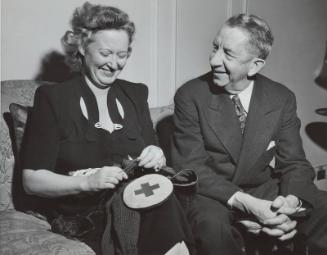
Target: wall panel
172,43
197,25
31,30
300,30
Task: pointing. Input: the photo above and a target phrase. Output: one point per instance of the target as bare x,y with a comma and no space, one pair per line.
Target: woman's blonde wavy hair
88,19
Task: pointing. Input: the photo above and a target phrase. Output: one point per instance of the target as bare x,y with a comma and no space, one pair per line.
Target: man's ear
256,65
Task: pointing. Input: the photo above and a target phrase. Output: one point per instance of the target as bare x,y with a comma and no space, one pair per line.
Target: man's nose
216,58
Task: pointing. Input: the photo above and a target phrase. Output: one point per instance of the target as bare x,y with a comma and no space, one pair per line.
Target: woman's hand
106,177
152,157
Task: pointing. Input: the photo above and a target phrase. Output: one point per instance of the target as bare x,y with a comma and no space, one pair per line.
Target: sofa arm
22,233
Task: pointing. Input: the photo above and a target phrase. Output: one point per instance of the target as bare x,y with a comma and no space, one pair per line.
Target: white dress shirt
245,96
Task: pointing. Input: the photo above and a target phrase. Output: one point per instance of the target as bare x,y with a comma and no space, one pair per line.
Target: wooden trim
154,50
244,6
229,10
236,6
174,49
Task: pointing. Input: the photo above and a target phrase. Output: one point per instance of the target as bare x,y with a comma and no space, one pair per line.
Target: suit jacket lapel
258,131
222,119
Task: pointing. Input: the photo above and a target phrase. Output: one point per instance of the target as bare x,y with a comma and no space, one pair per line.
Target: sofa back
21,92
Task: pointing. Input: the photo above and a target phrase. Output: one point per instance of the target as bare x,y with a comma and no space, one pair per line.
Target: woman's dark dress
59,138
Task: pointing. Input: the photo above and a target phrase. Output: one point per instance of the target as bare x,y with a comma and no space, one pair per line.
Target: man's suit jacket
208,139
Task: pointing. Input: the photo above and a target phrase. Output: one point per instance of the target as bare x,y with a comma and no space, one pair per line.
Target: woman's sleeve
41,140
146,122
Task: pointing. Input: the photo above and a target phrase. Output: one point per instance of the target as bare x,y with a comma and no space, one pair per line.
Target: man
239,131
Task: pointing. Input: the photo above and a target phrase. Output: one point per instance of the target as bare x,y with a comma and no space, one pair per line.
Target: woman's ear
256,65
129,51
81,50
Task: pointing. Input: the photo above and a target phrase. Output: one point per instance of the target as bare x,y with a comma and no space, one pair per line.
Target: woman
79,133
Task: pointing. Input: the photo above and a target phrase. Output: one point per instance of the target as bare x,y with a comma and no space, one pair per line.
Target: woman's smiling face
105,56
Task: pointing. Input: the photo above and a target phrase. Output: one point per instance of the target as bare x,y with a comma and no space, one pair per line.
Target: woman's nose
112,61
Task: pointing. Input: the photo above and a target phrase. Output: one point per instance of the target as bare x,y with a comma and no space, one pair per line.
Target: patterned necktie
240,111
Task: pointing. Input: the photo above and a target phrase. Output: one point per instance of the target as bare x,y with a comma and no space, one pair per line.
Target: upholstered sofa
23,232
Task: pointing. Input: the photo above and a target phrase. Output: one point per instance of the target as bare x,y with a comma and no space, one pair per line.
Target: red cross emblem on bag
147,191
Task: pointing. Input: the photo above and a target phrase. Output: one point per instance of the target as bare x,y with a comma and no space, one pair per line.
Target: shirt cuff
300,207
231,200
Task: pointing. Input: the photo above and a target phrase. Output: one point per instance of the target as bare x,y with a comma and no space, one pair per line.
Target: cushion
21,92
162,118
22,233
160,113
19,115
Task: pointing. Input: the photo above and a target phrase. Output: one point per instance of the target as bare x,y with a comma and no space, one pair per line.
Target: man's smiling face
231,58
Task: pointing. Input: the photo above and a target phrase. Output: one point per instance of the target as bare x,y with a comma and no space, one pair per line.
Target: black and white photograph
163,127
